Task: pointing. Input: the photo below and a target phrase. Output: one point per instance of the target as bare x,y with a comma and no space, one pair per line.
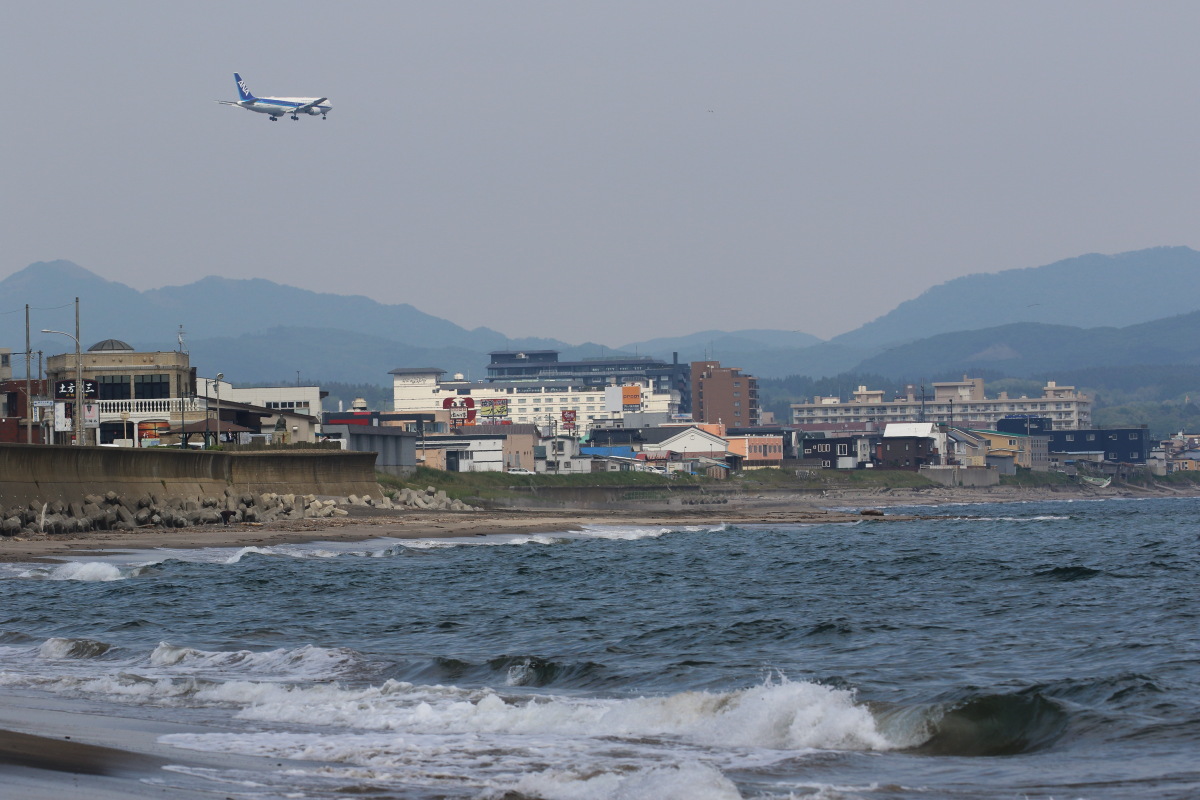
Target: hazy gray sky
606,171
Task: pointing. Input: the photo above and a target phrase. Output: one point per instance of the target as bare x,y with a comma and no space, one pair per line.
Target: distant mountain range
1018,322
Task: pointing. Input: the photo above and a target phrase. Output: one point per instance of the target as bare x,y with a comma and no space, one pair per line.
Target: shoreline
835,507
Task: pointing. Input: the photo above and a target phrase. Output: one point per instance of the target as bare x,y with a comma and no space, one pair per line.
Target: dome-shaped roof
109,345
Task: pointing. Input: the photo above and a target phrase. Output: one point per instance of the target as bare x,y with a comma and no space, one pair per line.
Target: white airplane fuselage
279,106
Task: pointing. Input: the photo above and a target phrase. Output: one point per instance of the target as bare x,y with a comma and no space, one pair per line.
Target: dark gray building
1120,445
395,447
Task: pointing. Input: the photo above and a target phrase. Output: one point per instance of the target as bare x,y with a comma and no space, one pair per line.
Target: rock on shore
114,512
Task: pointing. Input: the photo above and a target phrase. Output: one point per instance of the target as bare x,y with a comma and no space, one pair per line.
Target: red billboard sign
462,410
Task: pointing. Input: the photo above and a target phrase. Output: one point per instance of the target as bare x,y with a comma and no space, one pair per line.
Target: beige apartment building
961,403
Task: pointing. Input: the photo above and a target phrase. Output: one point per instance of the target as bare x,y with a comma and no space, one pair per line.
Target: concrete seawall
41,473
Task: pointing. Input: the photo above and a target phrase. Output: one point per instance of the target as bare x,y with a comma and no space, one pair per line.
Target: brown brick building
723,394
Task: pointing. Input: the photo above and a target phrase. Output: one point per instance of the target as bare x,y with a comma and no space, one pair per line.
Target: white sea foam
79,571
634,532
687,781
602,749
784,716
169,671
1038,518
302,663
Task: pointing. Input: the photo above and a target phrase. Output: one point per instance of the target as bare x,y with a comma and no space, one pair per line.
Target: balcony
167,406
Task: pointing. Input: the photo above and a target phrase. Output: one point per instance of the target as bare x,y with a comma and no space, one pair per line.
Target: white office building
547,404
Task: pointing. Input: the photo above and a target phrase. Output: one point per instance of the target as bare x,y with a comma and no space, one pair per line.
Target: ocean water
1037,650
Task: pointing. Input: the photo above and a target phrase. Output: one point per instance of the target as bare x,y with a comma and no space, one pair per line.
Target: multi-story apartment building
539,366
723,395
562,405
962,403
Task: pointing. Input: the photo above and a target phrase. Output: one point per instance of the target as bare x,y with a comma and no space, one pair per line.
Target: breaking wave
88,571
977,725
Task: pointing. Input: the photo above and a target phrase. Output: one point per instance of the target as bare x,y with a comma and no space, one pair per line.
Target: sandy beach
370,523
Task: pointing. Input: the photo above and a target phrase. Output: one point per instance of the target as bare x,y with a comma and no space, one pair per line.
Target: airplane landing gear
274,119
295,117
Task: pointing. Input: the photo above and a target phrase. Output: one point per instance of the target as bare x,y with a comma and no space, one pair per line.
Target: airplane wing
307,106
226,102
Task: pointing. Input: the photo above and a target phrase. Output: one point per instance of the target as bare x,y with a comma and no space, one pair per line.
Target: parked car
519,471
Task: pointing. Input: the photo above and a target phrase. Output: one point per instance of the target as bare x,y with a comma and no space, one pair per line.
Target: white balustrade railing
167,406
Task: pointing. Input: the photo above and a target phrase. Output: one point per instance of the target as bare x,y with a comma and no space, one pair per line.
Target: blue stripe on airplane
265,101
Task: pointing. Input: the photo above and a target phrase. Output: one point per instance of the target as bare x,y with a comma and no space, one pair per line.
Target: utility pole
78,375
78,381
220,377
28,382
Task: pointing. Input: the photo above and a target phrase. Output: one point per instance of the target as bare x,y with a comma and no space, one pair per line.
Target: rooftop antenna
182,346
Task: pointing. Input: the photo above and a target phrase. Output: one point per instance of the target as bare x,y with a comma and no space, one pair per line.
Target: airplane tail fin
243,90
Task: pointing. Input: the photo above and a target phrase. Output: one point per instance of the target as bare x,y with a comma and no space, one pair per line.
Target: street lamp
220,377
125,426
78,384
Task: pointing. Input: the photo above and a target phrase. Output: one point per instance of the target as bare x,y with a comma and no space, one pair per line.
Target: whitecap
302,663
88,571
59,647
677,746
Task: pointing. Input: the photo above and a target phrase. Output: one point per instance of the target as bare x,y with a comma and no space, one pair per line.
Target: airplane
276,106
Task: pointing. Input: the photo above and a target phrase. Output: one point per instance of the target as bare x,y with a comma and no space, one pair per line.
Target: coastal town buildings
961,403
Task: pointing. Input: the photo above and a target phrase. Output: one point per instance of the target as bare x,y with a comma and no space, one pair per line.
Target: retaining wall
40,473
972,477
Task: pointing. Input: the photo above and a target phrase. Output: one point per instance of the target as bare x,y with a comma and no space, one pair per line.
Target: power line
38,308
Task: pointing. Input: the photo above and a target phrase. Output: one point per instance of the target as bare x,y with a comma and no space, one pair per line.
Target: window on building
151,387
1133,437
1133,456
842,450
113,387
